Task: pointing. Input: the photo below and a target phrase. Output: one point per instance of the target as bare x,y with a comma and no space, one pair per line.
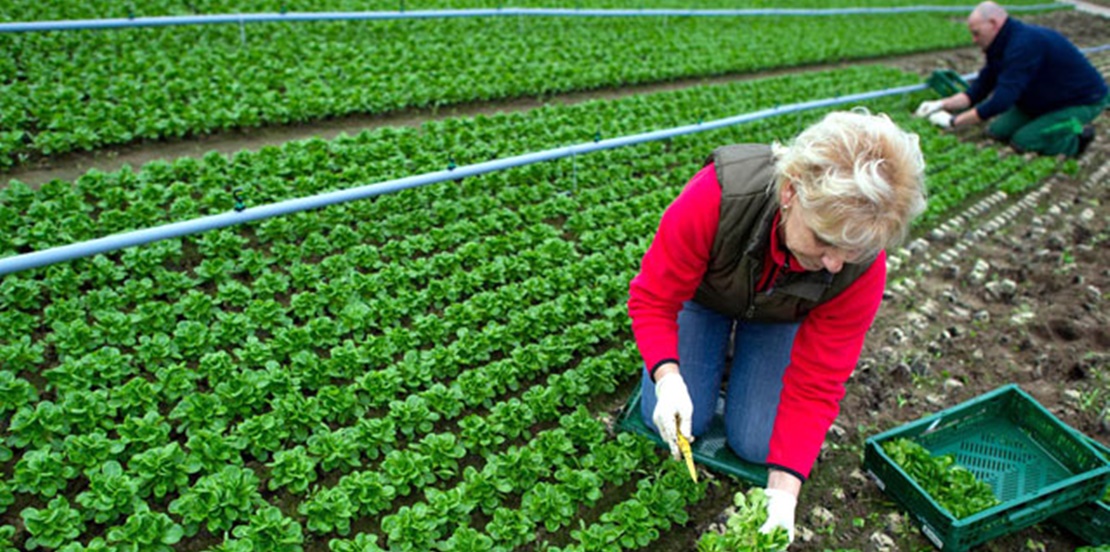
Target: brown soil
1036,316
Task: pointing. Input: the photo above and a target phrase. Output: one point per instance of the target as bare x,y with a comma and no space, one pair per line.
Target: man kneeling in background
1043,90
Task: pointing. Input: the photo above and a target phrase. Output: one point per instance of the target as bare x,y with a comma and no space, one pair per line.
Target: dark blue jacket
1037,70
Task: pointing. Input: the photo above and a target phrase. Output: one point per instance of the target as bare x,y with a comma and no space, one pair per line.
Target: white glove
780,511
942,119
928,108
672,398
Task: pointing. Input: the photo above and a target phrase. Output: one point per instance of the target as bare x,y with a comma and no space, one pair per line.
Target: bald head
990,10
984,23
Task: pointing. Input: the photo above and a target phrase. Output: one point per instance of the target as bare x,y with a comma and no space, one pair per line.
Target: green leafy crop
7,532
742,528
219,500
146,530
54,525
953,487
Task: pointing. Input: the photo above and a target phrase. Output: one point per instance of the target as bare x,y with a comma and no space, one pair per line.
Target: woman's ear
786,193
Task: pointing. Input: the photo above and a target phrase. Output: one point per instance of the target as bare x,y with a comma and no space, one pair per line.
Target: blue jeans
762,353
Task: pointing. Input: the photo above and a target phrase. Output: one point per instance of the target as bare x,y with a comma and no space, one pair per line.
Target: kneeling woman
782,247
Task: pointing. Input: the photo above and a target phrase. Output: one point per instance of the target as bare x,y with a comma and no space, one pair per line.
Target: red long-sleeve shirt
826,347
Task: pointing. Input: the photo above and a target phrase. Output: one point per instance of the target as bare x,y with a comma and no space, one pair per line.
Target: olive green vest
748,206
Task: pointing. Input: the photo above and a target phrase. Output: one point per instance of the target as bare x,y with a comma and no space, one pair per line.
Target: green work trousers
1051,134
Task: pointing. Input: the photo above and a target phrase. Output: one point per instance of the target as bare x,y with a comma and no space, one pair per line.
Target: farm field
82,90
440,368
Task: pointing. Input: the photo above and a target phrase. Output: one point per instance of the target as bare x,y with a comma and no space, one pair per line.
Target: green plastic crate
1036,465
1091,521
947,82
709,450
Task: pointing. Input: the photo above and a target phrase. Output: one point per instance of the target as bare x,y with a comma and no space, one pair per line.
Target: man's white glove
780,511
942,119
672,398
928,108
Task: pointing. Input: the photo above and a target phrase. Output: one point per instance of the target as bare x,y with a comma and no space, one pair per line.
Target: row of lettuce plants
85,409
638,522
233,487
82,90
321,426
224,478
99,203
31,10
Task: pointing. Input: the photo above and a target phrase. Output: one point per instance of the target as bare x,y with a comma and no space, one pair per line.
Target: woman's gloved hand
780,511
672,398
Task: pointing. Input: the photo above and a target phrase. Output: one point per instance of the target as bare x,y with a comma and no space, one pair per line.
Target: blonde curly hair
858,178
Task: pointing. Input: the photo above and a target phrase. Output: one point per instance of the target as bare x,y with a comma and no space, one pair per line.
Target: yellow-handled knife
684,446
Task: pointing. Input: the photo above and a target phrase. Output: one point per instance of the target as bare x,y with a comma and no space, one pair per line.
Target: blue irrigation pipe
115,242
212,222
242,18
